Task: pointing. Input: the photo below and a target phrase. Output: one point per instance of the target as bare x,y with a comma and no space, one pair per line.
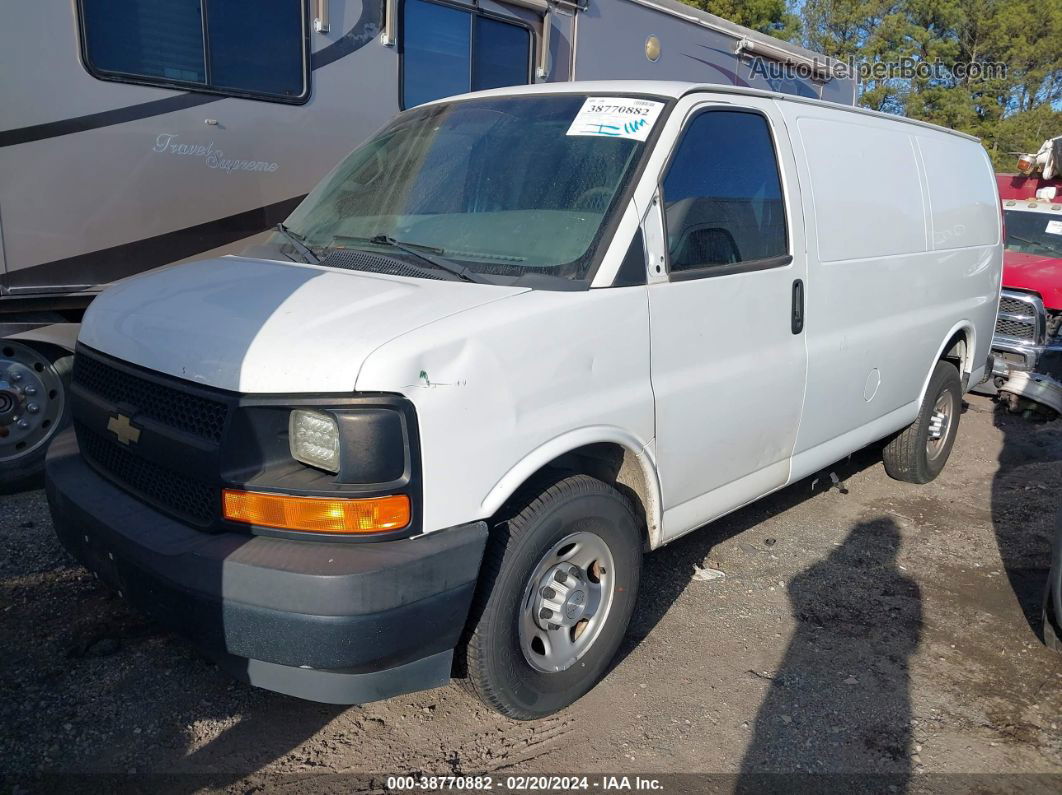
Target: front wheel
918,453
556,593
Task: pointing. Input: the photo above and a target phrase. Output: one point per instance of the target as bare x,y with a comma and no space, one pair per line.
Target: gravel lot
865,627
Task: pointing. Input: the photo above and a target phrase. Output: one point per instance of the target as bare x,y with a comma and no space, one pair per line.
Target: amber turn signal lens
315,514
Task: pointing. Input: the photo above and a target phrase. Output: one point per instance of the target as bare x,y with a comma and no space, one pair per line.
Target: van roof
678,89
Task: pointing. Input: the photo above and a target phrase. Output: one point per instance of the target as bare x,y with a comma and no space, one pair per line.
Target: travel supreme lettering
166,143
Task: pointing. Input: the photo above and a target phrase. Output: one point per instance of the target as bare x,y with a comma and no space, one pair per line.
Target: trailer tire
549,552
21,472
919,452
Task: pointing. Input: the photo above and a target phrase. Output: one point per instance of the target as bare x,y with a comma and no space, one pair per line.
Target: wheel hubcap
31,400
939,425
566,602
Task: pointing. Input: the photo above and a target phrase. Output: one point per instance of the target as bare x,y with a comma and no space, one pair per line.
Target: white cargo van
511,343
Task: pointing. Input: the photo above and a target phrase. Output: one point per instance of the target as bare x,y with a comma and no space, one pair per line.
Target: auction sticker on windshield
1054,228
617,117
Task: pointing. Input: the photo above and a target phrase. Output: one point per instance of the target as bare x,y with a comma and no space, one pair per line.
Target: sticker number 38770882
616,117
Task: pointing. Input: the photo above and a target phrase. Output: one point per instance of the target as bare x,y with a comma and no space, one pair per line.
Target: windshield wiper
1037,243
301,247
424,253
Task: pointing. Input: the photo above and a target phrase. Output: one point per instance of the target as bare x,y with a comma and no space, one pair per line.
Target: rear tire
918,453
46,370
570,553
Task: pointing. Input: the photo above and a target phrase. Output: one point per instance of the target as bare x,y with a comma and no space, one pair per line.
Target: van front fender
648,489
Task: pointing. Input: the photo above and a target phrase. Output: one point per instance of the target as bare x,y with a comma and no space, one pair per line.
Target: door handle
798,306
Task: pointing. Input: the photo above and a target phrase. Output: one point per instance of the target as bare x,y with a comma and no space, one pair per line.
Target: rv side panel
613,38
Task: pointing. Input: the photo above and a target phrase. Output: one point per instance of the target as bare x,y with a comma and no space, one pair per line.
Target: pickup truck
1028,337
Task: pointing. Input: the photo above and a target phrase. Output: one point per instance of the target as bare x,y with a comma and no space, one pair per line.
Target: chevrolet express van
513,342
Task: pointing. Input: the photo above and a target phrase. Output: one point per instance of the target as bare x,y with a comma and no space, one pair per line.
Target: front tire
556,593
918,453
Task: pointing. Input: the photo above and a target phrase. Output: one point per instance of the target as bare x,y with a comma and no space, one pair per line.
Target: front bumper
334,622
1017,380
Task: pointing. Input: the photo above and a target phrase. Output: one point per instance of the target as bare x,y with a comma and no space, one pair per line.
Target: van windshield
502,187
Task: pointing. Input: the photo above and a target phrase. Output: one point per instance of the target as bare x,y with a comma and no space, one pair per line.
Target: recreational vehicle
136,133
513,341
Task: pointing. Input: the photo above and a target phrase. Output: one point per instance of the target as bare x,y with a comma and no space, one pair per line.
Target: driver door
729,362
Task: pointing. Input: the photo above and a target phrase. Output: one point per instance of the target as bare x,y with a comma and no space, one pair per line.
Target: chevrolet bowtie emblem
125,431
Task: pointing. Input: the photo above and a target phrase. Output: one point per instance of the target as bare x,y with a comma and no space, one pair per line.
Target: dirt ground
862,627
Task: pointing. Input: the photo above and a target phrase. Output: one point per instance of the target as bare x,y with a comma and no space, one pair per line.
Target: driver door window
723,197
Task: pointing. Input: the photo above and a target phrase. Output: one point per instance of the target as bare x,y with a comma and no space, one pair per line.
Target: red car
1028,336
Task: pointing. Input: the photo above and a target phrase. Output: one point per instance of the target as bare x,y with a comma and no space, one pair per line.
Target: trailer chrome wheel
32,408
567,602
31,400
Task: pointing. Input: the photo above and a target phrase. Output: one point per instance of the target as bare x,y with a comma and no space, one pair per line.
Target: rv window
436,43
500,55
448,50
250,48
722,194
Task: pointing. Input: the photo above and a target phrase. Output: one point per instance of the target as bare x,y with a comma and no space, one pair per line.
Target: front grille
190,500
1016,329
176,408
1020,318
1014,306
172,465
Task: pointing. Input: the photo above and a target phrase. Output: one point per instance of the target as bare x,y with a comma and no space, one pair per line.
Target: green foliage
768,16
1013,104
1020,132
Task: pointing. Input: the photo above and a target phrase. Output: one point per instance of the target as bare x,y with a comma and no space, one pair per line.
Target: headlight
314,439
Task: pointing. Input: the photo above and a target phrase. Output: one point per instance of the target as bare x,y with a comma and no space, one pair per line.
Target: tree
766,16
991,68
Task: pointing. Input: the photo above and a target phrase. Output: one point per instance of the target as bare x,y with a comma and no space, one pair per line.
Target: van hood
258,326
1034,272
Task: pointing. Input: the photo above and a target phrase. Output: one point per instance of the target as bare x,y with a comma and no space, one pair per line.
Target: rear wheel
918,453
33,408
556,593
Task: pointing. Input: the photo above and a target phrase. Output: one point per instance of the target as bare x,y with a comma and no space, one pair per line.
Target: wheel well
958,352
619,467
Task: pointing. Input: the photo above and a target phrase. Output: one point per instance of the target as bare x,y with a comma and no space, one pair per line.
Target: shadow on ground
854,605
91,687
1024,531
667,571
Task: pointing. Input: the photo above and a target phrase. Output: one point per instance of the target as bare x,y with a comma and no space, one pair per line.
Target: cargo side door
727,328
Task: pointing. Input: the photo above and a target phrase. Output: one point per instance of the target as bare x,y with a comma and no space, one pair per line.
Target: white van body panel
496,388
262,327
701,381
905,253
